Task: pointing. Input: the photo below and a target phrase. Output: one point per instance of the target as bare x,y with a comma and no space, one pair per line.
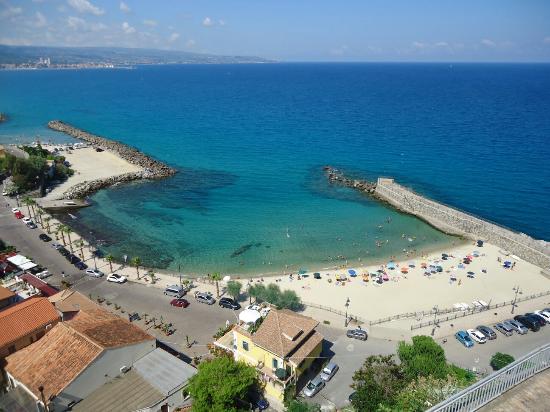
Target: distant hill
112,55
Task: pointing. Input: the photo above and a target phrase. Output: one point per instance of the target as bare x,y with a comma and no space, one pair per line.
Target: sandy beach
89,165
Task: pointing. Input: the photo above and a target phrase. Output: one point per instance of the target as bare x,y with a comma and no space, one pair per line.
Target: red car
19,215
180,303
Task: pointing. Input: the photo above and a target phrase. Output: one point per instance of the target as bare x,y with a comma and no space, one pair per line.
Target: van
175,291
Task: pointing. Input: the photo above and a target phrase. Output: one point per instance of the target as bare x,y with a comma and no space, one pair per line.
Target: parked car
537,318
31,225
463,337
81,265
517,326
487,332
26,220
96,273
116,278
43,275
180,303
56,245
544,314
63,251
329,371
262,404
15,210
19,215
229,304
477,336
204,297
72,258
176,291
314,386
44,237
529,323
357,334
505,328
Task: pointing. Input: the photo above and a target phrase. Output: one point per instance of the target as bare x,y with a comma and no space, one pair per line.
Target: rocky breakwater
152,168
335,176
3,117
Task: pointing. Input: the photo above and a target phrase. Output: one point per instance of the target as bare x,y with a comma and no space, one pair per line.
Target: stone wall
456,222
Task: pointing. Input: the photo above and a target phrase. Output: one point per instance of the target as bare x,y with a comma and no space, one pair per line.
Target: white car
115,277
94,272
44,274
4,193
477,335
545,314
26,220
15,210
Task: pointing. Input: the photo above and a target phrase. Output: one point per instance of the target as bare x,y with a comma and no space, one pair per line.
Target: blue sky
292,30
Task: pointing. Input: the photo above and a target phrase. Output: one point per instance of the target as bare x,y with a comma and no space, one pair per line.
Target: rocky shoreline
152,169
3,117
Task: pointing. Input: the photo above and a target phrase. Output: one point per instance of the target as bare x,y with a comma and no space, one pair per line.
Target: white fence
491,387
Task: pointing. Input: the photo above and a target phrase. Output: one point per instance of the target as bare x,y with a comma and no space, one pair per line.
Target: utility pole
347,306
517,291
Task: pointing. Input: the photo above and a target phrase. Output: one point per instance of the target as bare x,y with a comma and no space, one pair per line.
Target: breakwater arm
152,167
149,168
448,219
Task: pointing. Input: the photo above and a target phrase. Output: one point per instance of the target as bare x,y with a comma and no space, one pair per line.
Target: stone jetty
447,219
3,117
151,168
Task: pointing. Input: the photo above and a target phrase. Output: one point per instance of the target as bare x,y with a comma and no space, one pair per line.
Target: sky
292,30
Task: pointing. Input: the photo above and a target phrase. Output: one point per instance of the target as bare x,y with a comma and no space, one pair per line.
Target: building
7,297
89,357
25,323
282,348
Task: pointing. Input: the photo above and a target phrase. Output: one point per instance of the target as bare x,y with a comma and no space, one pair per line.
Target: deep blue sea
250,142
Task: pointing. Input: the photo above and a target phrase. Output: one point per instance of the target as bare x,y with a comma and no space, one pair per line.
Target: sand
90,165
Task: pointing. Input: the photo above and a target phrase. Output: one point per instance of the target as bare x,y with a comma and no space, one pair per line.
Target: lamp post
436,310
347,306
517,291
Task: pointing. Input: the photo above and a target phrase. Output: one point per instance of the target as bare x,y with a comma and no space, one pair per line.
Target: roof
46,289
107,329
303,351
126,393
18,260
5,293
53,361
69,300
24,318
282,331
164,371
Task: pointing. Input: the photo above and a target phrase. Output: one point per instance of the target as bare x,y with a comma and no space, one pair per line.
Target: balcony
270,375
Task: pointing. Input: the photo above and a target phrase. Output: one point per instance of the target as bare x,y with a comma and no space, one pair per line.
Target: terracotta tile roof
24,318
282,331
303,351
72,301
5,293
53,361
107,329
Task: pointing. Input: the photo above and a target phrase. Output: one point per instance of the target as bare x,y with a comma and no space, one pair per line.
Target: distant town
45,63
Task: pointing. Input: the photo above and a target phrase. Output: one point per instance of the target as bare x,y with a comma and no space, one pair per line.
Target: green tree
110,258
377,383
151,274
79,243
234,289
216,277
297,406
61,230
47,220
136,262
286,299
220,385
68,231
423,393
500,360
258,292
424,357
27,201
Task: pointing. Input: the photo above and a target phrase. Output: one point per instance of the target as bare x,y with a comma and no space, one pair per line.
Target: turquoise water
250,142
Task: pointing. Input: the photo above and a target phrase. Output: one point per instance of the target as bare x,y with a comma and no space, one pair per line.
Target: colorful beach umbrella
352,273
391,265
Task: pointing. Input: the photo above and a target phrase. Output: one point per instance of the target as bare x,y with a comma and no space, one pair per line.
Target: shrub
500,360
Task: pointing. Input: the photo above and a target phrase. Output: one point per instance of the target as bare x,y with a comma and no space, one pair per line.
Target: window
245,345
275,363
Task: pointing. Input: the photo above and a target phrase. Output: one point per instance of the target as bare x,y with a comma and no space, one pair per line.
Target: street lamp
518,291
347,306
436,310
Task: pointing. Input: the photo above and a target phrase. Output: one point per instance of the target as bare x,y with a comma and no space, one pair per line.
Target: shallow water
250,142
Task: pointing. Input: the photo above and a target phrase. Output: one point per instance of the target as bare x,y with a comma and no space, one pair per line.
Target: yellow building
282,348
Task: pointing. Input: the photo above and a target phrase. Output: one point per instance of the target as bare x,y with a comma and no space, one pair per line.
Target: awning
249,316
18,260
27,266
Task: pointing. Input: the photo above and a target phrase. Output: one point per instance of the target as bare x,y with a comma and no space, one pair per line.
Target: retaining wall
456,222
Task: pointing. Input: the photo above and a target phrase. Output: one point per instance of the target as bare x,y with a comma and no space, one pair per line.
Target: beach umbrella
391,265
461,266
412,264
423,265
507,263
352,273
404,270
471,273
226,278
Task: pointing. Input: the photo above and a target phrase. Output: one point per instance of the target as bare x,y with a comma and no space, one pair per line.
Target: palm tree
61,230
68,231
40,213
80,244
216,277
27,201
110,258
136,262
47,220
151,274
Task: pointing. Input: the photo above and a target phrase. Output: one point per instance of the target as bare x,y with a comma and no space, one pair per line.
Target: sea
250,143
